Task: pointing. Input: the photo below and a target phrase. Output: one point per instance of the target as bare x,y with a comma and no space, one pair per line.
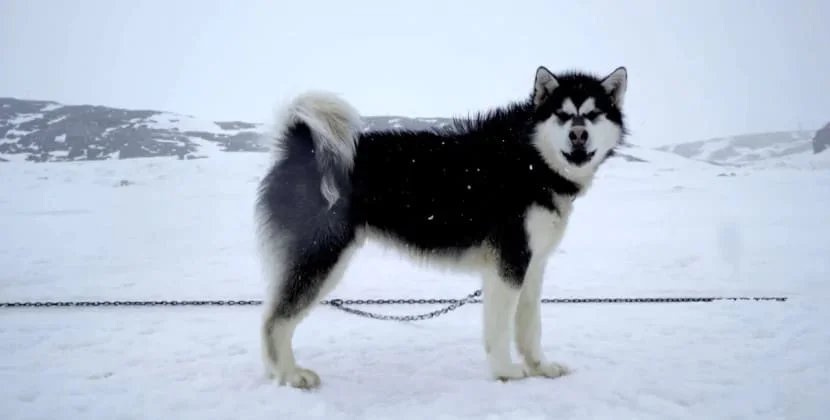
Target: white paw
547,369
509,372
298,378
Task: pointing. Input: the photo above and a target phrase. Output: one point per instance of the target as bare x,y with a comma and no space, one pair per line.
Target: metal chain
338,303
472,298
97,303
344,304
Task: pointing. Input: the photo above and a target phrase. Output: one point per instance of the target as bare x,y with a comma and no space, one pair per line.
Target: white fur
616,83
269,248
500,300
505,306
277,343
478,259
586,107
545,230
334,124
551,138
545,82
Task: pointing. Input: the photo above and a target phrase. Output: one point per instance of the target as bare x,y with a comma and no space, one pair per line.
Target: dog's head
579,119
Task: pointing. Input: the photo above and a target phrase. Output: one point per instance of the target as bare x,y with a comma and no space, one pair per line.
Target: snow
24,118
12,157
799,161
167,120
58,119
51,107
167,229
746,149
663,161
206,147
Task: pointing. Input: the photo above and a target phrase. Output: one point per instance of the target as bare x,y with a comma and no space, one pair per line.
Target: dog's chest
545,227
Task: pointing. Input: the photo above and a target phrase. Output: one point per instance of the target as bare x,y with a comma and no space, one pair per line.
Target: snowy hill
748,149
45,131
804,161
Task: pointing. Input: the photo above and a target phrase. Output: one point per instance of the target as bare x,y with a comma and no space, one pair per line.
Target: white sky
697,68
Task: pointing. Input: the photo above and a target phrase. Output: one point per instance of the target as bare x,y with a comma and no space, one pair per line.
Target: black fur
579,86
312,235
445,191
439,191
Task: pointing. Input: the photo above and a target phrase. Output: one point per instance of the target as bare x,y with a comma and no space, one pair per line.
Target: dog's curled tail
334,126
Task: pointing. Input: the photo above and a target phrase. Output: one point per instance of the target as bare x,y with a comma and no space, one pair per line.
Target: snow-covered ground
169,229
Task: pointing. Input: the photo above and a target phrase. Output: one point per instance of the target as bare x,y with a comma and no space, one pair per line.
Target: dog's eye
592,115
562,116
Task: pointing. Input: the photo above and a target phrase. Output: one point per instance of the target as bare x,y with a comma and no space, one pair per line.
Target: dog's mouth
579,156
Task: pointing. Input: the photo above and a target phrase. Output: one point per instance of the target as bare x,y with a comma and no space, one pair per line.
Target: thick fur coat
491,195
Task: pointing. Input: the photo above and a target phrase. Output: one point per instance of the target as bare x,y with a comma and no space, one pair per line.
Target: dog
491,194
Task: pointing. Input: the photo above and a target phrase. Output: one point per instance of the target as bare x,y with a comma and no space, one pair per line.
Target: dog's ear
544,84
615,84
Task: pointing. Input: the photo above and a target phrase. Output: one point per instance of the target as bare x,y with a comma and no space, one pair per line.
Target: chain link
338,303
345,304
97,303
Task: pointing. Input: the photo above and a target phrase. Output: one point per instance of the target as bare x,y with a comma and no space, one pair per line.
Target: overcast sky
697,68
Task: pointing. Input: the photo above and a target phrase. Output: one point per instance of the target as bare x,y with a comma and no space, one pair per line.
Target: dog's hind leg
308,276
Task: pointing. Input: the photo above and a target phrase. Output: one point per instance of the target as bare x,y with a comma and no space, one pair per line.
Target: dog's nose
578,136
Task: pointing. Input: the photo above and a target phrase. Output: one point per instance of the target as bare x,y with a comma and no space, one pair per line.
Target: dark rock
821,140
45,131
744,149
236,125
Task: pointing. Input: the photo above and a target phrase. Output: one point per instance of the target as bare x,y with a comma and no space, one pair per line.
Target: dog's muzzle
579,154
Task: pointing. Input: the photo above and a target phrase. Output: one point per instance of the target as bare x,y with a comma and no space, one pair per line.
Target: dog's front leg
528,326
500,297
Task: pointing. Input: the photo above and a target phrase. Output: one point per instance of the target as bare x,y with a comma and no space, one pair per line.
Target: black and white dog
491,195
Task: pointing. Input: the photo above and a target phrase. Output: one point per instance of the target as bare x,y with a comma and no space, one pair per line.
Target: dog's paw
509,372
299,378
547,369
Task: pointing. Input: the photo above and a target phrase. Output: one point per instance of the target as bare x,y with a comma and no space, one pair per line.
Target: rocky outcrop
45,131
745,149
821,140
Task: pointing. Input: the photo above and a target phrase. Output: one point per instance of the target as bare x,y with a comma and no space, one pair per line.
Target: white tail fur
335,125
